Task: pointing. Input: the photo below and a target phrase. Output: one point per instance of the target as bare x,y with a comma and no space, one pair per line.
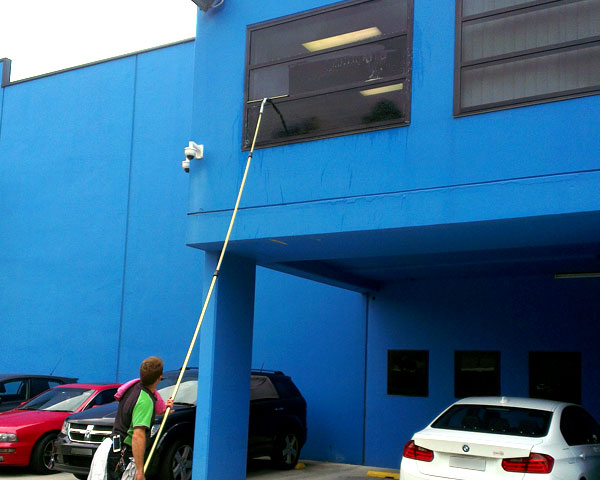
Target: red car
27,433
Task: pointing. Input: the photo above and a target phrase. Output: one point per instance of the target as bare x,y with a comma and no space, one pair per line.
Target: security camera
192,151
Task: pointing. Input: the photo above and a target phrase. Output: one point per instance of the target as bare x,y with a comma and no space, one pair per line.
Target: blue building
420,222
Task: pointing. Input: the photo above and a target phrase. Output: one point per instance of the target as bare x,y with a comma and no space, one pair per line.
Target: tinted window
104,397
578,427
38,385
511,52
285,387
13,390
261,388
472,7
476,374
555,376
408,373
522,422
339,69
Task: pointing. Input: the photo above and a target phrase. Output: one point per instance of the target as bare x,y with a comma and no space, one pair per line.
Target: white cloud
42,36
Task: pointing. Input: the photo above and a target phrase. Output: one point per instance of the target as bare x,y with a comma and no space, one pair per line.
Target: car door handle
279,409
582,456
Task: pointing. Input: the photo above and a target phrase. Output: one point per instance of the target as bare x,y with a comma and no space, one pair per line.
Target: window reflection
337,70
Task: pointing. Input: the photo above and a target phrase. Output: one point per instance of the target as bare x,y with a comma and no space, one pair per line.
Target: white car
505,438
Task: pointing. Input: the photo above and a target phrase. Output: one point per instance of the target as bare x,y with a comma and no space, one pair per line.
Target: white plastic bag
98,467
130,471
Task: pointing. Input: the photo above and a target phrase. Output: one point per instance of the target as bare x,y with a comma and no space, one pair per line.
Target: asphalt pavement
260,470
257,470
23,473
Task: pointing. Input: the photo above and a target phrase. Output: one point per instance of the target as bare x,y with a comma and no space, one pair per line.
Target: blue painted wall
436,151
532,163
316,334
514,315
92,209
95,275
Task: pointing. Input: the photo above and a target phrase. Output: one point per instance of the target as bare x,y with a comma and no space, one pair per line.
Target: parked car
277,427
28,432
18,388
506,438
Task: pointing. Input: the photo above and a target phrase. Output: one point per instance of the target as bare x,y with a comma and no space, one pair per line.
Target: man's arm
138,447
141,418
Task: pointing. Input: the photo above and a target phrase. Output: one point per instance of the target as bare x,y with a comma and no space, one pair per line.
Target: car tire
286,450
176,464
41,456
80,476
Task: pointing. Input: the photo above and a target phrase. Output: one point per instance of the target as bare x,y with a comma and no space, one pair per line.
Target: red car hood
28,418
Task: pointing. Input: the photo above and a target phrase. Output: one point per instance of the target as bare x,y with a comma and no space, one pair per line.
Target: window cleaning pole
210,289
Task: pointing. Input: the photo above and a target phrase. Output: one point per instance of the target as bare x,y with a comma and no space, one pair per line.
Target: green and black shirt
136,409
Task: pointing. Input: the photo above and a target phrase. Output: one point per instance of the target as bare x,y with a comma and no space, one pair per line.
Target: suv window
286,388
38,385
261,388
104,397
578,427
12,390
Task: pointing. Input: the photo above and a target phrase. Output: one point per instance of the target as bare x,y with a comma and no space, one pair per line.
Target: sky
42,36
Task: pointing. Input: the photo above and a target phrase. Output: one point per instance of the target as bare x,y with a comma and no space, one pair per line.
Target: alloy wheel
47,455
182,463
290,448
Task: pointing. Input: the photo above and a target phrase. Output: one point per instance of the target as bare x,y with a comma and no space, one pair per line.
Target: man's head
151,370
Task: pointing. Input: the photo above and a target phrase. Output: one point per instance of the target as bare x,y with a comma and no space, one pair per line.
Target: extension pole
210,289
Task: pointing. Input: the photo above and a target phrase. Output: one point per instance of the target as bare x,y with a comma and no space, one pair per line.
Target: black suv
277,427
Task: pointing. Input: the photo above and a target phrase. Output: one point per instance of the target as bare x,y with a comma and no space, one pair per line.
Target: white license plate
81,451
469,463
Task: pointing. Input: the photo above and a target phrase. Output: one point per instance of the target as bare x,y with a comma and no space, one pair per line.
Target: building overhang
471,230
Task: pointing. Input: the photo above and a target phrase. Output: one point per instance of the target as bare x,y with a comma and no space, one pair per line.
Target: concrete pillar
225,357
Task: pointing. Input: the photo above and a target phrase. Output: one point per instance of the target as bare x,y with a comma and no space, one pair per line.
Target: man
135,417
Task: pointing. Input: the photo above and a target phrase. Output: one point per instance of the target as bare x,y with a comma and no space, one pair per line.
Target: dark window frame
537,358
395,393
459,65
497,357
407,78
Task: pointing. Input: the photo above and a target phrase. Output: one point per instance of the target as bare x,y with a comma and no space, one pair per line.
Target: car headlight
65,428
8,437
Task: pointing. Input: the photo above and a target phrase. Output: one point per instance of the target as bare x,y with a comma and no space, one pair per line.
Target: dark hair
151,370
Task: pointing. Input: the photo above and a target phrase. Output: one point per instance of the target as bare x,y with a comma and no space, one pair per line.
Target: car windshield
522,422
187,392
59,400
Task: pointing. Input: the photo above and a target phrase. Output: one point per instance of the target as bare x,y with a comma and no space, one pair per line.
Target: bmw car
505,438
